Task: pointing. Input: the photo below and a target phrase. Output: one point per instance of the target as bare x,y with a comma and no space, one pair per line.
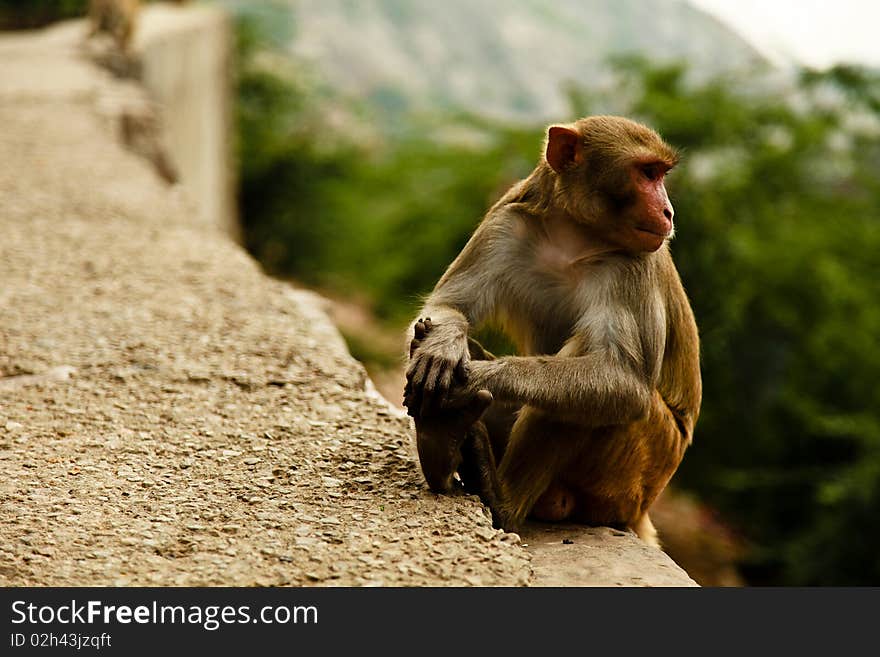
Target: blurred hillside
501,58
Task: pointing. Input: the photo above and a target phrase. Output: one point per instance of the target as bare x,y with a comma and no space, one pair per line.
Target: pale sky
817,33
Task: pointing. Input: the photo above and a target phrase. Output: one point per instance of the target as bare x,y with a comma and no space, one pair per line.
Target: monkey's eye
652,172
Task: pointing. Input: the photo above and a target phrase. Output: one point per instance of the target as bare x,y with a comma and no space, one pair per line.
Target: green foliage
778,213
416,198
330,211
779,229
285,174
21,14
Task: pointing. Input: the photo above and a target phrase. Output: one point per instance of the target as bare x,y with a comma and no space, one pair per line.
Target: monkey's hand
438,359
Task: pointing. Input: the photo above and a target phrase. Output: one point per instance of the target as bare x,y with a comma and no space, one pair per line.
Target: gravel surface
168,414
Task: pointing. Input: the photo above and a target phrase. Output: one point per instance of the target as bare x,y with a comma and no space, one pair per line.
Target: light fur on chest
590,288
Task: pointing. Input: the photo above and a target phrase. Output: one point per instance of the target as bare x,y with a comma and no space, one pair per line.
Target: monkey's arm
441,358
464,297
595,389
604,374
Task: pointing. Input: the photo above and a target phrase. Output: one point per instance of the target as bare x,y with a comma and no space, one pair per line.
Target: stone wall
185,63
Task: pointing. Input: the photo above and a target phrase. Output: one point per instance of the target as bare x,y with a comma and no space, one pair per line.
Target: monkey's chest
544,317
563,299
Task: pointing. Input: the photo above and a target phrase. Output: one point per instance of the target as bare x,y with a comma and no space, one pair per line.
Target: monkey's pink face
648,221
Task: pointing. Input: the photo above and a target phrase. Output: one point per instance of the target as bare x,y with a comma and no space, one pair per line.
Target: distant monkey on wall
118,18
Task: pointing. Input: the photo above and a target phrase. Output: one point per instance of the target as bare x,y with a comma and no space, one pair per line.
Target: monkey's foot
439,438
431,377
420,329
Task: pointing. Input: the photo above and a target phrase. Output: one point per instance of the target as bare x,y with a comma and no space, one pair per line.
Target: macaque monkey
592,419
118,18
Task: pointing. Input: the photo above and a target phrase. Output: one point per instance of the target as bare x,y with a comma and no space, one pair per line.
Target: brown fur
607,388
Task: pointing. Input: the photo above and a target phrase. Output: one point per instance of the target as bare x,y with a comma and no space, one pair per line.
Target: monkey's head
610,176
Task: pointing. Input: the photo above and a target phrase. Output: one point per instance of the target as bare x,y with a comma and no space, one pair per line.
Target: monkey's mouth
664,234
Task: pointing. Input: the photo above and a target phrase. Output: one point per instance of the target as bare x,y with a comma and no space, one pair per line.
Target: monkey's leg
619,474
484,447
454,439
538,451
478,471
668,437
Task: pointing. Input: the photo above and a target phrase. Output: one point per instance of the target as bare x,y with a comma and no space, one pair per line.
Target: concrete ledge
571,555
185,66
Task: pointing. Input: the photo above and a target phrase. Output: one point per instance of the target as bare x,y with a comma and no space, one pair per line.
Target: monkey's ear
564,147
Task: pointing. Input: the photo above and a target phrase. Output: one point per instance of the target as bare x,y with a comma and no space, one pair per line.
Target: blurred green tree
778,203
23,14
